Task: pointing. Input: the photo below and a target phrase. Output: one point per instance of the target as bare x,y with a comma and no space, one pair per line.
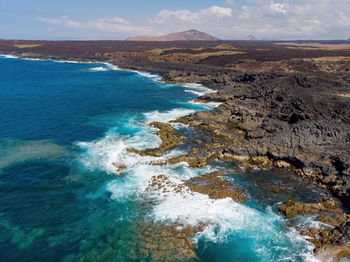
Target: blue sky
115,19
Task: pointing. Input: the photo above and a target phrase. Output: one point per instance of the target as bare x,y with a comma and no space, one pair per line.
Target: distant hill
248,38
191,35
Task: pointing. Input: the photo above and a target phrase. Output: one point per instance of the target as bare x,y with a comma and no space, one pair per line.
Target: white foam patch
70,61
136,180
112,67
108,153
98,69
32,59
154,77
197,89
225,217
208,106
8,56
309,222
167,115
307,254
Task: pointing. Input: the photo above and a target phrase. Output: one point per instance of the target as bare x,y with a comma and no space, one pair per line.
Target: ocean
65,128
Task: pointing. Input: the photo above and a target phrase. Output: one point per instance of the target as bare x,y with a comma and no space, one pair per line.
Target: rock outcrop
332,242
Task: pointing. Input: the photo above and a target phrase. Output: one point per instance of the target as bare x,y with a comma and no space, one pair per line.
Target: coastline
250,161
167,77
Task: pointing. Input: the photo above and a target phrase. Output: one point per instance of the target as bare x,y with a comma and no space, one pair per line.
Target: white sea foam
70,61
112,67
154,77
167,115
137,179
194,92
307,254
8,56
98,69
32,59
197,89
109,152
209,105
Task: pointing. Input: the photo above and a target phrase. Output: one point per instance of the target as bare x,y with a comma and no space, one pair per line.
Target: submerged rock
167,243
215,187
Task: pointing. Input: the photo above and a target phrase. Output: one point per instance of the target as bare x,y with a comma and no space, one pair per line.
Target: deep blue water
64,129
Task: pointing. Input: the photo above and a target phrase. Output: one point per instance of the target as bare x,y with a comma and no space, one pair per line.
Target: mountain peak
190,35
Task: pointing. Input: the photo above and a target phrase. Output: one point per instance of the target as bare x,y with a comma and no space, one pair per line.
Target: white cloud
63,20
195,18
278,7
114,25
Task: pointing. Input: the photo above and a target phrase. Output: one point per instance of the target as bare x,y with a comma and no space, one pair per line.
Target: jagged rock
169,140
146,152
215,187
331,243
165,132
292,208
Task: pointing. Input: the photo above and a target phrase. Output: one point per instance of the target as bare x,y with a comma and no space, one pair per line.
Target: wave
8,56
106,67
167,115
98,69
111,66
70,61
208,106
197,89
110,151
154,77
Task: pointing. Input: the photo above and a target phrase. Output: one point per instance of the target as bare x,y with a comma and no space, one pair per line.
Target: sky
225,19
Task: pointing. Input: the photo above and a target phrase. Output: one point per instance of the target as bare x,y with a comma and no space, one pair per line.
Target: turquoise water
64,129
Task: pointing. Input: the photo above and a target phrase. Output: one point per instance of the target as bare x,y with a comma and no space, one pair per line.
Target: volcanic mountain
191,35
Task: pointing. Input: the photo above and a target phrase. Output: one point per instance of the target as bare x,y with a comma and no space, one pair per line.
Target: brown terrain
284,105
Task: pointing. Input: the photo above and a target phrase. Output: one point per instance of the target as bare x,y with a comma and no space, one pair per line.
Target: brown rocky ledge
331,243
215,187
167,243
292,208
212,184
166,134
173,242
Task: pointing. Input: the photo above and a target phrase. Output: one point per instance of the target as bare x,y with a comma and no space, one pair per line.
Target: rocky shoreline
295,121
292,114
